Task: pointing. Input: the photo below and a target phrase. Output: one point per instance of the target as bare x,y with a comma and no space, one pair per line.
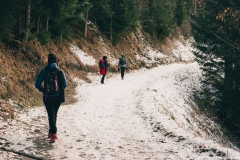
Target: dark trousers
102,80
122,71
52,106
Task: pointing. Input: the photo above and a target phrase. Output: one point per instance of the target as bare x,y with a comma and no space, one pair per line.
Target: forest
215,28
48,20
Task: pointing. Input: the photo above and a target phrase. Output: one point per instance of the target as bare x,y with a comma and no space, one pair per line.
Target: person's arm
65,84
39,81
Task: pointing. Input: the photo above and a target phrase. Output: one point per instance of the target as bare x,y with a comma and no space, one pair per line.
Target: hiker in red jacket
103,65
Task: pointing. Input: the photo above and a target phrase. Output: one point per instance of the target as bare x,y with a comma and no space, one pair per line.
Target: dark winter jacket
122,65
42,76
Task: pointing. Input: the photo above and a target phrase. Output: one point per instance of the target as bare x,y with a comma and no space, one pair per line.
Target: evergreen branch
235,47
216,3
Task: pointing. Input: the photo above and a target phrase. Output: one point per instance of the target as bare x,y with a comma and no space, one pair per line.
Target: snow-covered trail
108,118
144,116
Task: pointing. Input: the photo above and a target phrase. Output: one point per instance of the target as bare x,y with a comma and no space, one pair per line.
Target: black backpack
100,64
122,61
52,84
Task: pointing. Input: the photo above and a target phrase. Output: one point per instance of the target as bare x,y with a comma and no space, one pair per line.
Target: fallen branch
21,153
4,139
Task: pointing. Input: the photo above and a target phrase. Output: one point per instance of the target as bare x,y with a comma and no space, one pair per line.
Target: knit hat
104,57
52,58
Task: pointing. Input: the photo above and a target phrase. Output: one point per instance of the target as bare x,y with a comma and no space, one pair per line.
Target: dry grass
186,30
6,110
20,69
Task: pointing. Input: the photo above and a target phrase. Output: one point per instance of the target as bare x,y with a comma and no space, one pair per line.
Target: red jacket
103,70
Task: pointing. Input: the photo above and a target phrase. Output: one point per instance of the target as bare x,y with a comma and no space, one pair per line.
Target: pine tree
182,11
7,18
158,19
115,17
216,33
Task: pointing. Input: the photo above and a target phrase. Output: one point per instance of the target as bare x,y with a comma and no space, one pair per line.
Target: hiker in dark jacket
103,68
52,101
122,65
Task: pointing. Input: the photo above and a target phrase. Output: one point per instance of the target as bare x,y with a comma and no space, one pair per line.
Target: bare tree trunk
47,24
195,7
20,26
20,30
60,41
27,24
38,24
154,21
111,22
86,25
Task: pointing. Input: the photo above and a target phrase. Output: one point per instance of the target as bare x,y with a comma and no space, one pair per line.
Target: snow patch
83,57
183,52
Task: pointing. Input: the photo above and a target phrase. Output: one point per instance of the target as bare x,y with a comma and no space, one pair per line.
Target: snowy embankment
149,115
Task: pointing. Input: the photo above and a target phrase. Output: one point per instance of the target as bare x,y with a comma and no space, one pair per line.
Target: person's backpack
52,84
101,64
122,61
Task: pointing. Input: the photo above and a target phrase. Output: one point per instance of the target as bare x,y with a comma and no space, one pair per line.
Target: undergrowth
207,107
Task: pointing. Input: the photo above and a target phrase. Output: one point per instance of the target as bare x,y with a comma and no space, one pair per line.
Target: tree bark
228,83
27,24
20,30
38,24
111,22
60,41
86,25
195,6
47,24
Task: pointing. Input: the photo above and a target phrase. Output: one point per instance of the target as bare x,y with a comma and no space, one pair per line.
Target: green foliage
218,53
44,38
124,17
159,19
7,12
10,40
182,11
114,18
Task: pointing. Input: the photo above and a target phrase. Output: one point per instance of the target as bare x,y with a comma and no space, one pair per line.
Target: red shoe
53,138
49,135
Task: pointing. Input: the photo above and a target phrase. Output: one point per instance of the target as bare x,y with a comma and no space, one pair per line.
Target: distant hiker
103,66
122,65
54,83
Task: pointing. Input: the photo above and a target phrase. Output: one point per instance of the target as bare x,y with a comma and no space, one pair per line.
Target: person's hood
52,66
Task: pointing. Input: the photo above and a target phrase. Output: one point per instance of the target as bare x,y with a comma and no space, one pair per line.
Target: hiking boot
49,135
53,138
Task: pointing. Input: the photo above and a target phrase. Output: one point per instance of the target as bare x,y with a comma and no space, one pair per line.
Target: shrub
44,38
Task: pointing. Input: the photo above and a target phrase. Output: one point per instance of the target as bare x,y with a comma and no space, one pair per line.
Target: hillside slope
19,69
